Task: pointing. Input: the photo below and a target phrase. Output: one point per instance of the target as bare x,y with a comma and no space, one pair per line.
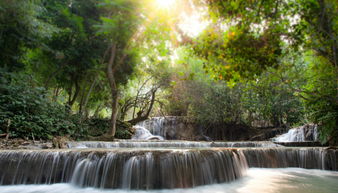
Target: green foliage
198,96
278,58
73,52
320,97
98,127
123,133
246,37
218,105
20,28
30,113
237,54
269,98
318,28
118,25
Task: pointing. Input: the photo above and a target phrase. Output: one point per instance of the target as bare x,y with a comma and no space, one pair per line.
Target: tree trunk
86,99
112,67
114,109
114,90
81,101
72,99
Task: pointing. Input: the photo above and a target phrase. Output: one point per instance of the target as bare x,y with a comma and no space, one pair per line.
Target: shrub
30,111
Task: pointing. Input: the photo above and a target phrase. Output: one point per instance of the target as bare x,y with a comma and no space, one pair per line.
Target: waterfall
156,125
132,169
308,158
171,127
299,134
174,128
142,133
155,168
168,144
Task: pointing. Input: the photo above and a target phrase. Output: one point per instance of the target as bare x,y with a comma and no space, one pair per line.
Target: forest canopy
95,67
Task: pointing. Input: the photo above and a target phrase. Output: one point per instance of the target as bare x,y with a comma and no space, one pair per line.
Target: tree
21,28
72,54
247,39
118,27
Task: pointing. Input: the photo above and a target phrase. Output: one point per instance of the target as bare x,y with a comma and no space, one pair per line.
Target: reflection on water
289,180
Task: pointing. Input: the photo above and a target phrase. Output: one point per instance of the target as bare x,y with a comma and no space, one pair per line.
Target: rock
25,144
60,142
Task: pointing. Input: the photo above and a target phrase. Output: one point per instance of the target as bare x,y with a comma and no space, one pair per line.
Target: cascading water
142,133
309,158
127,169
173,128
299,134
257,180
126,166
156,125
168,144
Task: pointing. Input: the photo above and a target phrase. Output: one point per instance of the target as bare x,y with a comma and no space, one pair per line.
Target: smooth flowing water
168,144
299,134
123,168
142,133
173,128
155,168
169,166
160,126
288,180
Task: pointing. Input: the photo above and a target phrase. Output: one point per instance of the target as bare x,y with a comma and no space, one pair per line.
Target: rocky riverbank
25,144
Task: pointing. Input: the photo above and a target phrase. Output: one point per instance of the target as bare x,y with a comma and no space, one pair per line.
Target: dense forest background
82,68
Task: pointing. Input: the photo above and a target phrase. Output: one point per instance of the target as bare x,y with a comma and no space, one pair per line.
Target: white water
123,168
167,144
288,180
173,128
169,127
156,125
298,134
142,133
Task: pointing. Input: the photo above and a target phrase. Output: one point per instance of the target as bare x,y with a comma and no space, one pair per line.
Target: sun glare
189,17
165,4
192,25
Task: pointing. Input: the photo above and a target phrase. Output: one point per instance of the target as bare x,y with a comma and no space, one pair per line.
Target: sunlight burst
165,4
192,25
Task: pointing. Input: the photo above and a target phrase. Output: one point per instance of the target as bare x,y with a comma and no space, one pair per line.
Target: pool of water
287,180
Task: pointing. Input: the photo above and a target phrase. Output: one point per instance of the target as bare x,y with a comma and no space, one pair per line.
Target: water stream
168,144
161,126
153,168
141,133
174,166
287,180
299,134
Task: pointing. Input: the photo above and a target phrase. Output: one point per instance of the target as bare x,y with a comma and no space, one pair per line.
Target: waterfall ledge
153,169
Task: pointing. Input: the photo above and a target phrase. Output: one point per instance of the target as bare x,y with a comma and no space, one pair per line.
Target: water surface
287,180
